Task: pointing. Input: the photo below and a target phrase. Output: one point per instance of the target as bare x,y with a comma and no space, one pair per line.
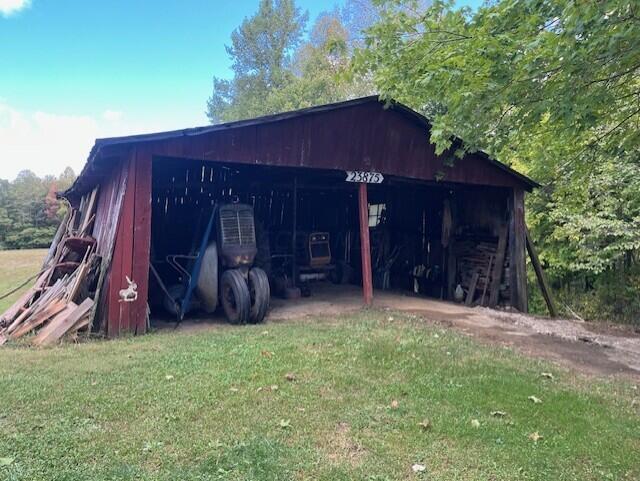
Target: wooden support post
517,262
294,228
542,281
365,248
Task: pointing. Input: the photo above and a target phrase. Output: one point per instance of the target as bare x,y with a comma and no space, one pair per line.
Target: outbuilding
359,177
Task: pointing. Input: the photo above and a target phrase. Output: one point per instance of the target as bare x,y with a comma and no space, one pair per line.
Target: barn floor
585,347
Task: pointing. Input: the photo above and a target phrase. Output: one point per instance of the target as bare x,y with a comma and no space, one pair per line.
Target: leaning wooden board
496,274
63,322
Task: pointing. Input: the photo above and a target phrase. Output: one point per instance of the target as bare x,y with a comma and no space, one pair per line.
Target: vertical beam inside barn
517,240
365,248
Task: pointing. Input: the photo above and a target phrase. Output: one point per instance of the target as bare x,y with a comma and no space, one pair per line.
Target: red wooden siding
141,239
361,137
131,251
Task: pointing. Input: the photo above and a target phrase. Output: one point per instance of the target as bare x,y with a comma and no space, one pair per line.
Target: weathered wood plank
486,282
472,289
63,322
542,281
38,319
142,238
496,272
121,262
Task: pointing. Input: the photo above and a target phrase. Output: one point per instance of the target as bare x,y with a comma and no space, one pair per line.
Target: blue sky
74,70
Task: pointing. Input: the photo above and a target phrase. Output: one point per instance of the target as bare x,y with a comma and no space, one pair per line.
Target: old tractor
222,271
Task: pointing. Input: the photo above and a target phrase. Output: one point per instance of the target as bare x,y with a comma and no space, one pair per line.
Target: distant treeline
29,210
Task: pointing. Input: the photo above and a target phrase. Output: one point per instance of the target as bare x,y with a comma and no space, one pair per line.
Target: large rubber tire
260,294
207,286
234,295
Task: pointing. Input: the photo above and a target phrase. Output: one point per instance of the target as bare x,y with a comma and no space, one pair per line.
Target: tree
549,86
321,69
29,209
313,71
261,50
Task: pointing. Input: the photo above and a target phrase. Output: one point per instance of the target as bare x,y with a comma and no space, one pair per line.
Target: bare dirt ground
575,344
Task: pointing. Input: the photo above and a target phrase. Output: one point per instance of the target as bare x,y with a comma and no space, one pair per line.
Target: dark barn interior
426,238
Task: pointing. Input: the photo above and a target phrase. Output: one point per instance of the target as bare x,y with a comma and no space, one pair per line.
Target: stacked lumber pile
59,304
475,264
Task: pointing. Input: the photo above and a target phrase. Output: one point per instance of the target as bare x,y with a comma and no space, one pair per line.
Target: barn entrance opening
425,238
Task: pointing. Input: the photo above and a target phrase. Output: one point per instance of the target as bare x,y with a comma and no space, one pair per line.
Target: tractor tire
235,298
260,294
207,286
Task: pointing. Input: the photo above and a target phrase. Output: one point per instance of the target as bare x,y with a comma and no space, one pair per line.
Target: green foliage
30,237
551,87
261,50
275,70
29,209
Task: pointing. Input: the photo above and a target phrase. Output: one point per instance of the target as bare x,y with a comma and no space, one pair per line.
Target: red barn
434,223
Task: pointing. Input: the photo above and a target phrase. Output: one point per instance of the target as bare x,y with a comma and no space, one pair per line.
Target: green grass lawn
15,268
217,404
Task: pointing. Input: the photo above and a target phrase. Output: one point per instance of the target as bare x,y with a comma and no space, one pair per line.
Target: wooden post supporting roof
365,248
517,246
542,280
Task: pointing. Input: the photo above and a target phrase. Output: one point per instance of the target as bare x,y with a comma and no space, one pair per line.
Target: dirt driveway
586,347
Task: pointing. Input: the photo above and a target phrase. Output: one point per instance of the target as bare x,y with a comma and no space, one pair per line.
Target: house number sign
364,177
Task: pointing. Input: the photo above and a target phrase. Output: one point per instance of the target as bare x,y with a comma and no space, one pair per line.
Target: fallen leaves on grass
535,437
535,400
418,468
425,424
273,387
267,354
284,423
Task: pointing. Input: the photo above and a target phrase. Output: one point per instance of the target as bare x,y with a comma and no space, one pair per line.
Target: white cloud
43,142
9,7
47,143
112,115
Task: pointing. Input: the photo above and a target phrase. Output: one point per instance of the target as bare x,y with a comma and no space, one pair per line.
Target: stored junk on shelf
60,302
